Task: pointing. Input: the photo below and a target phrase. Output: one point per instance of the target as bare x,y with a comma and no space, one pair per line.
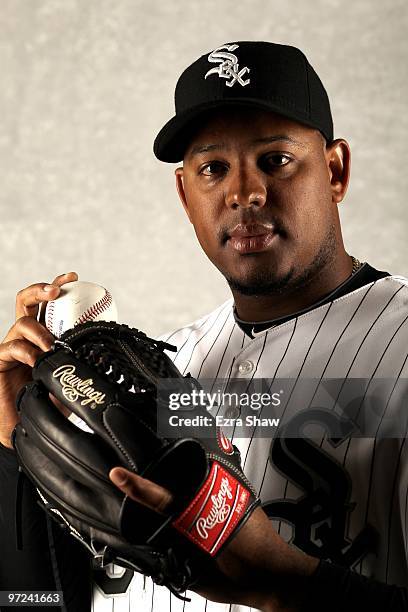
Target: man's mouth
252,237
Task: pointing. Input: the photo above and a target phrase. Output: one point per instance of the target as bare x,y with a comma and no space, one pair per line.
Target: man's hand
25,341
257,568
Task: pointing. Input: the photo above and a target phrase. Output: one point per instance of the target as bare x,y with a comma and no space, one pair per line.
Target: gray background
86,85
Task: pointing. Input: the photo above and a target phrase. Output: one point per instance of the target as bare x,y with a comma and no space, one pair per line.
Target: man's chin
259,286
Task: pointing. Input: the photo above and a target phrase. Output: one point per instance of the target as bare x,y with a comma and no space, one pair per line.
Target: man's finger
27,328
61,279
16,352
141,490
29,299
58,281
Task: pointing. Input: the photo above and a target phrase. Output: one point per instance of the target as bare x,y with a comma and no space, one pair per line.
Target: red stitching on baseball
96,309
50,316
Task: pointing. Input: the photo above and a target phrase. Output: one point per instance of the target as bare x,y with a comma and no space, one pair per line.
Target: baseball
79,302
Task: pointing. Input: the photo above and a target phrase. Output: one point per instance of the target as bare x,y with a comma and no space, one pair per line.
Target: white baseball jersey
344,499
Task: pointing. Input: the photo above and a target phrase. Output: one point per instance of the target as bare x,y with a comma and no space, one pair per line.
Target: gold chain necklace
356,265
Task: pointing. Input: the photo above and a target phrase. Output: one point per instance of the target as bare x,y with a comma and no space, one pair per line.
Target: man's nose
245,189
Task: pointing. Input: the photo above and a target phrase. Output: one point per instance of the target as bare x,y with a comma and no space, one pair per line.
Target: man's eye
276,160
212,168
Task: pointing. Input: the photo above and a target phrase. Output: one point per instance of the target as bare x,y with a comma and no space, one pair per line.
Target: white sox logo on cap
229,67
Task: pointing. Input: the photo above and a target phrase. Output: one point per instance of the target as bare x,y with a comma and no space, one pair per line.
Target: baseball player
261,182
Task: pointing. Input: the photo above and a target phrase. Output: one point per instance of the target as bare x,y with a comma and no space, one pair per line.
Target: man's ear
180,190
338,158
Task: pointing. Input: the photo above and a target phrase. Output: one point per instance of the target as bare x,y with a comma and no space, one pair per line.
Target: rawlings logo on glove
209,520
74,387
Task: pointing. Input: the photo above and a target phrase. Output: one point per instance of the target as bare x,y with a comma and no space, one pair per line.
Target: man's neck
256,308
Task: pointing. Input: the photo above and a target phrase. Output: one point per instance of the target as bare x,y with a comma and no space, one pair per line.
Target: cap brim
173,139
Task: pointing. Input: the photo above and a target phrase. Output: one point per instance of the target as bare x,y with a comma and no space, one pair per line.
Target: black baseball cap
261,75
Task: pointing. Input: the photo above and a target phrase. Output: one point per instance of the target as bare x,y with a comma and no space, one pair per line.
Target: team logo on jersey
74,388
228,66
319,517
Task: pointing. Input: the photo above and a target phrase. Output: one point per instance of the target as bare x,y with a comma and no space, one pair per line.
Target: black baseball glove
107,374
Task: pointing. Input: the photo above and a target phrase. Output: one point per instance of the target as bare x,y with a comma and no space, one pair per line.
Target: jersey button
245,367
232,412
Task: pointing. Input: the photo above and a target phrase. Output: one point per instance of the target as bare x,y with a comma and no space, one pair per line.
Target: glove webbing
115,357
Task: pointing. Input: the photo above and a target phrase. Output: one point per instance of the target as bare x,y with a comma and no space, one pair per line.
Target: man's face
258,190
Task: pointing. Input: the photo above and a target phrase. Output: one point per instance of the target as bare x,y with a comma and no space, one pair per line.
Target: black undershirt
365,275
